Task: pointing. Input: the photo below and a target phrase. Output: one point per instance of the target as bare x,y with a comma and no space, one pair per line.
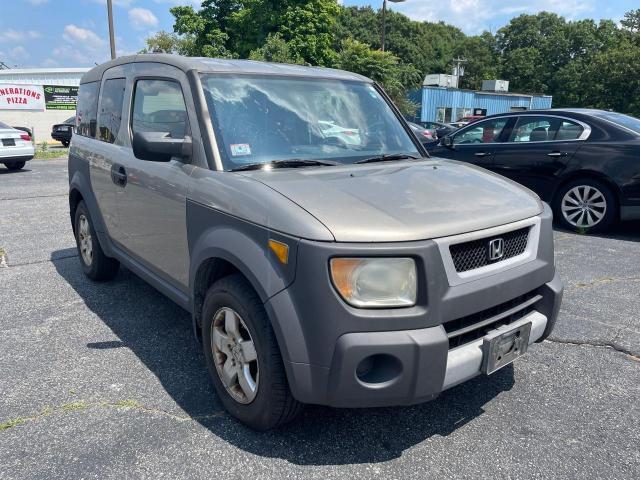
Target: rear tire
95,264
585,206
15,166
231,305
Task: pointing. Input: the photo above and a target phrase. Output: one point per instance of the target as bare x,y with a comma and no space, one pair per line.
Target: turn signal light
281,251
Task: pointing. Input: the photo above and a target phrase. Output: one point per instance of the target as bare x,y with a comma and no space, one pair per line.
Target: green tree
275,49
483,61
631,21
168,43
383,67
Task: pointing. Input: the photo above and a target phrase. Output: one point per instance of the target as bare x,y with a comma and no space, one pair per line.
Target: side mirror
447,142
160,146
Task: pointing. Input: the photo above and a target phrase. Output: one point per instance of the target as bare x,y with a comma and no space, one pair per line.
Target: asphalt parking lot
106,381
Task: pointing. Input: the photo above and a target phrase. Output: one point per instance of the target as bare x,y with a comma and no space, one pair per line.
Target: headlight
375,282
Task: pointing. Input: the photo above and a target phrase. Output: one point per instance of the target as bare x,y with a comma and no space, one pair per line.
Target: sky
74,33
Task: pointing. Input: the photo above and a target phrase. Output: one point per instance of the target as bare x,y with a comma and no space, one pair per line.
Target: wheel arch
592,175
75,197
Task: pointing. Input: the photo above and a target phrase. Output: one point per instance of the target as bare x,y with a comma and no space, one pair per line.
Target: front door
476,143
152,202
537,151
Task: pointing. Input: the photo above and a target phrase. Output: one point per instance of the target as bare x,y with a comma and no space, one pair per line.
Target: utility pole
112,40
458,69
384,20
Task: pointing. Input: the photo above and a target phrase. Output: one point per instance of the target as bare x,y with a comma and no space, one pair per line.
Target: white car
16,147
350,136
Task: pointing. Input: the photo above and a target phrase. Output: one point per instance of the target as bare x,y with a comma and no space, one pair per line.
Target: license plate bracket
8,142
503,345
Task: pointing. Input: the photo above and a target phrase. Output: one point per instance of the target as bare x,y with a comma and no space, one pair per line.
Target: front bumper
425,365
324,341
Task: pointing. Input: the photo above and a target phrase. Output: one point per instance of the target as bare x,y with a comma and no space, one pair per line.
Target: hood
403,201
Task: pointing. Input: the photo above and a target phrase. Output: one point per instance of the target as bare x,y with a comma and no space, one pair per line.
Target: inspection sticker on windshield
240,149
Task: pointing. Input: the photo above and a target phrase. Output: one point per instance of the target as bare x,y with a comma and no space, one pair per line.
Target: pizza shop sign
21,97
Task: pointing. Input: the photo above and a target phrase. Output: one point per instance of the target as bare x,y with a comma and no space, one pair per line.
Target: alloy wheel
84,240
584,206
234,355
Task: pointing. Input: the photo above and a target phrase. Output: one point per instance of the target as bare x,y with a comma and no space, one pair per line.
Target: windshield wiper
387,158
289,163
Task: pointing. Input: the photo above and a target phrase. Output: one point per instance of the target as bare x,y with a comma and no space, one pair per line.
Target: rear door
476,143
538,150
86,147
152,198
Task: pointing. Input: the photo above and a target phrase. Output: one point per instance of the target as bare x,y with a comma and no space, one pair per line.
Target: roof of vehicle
223,65
552,111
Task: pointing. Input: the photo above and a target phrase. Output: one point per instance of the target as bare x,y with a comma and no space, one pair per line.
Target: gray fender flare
246,248
81,183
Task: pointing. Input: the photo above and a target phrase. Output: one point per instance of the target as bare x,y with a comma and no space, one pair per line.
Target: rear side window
159,106
87,109
532,129
569,131
110,116
545,129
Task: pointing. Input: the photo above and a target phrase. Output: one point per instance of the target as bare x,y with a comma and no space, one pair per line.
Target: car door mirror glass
447,142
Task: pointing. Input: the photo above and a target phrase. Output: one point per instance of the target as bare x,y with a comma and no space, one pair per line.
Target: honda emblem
496,249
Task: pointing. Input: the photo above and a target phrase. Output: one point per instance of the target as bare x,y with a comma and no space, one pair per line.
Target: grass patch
127,404
74,406
14,422
50,153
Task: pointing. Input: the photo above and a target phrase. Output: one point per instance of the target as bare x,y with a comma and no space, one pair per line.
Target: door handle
482,154
118,175
557,154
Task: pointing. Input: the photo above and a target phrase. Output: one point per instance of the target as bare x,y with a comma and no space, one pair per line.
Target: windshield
4,125
260,119
627,121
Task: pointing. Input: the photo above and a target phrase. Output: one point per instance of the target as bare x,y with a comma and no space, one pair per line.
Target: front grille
472,327
475,254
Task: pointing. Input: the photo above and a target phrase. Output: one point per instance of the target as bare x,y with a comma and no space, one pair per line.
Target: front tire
15,166
585,206
243,357
95,264
65,144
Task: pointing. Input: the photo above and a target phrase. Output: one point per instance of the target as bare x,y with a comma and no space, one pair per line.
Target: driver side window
483,132
159,106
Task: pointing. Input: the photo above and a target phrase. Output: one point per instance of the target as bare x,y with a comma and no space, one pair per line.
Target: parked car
62,132
425,135
16,147
349,136
441,129
466,120
315,272
585,163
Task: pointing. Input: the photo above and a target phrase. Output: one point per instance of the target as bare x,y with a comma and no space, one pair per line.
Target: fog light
377,370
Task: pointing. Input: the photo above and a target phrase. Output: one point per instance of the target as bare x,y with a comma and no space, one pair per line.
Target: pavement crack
118,405
35,262
34,196
598,344
602,281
